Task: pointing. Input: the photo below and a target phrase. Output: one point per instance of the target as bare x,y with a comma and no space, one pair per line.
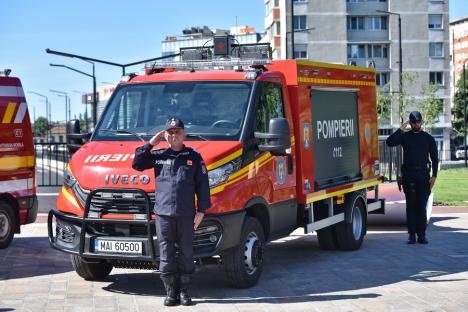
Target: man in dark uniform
418,146
180,175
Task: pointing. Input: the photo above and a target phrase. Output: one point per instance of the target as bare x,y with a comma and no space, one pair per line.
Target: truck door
275,175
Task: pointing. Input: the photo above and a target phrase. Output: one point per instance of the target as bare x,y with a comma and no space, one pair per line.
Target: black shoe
170,285
185,298
423,240
412,239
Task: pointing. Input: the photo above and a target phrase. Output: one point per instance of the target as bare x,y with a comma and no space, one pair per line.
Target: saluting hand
404,125
157,138
198,219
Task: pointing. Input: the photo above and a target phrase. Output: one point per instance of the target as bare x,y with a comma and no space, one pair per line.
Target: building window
381,79
435,21
300,51
376,22
356,51
355,22
436,49
377,51
301,1
61,138
299,22
278,28
276,3
436,78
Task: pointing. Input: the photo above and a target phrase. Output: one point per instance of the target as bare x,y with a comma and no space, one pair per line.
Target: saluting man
418,146
180,175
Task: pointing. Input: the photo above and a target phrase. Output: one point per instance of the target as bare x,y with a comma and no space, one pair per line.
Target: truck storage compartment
335,136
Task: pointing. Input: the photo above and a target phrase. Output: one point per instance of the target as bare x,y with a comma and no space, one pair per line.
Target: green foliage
40,127
429,105
457,111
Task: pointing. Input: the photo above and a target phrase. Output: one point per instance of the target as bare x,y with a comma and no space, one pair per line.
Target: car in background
460,152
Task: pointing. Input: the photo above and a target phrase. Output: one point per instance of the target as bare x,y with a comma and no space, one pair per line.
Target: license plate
118,246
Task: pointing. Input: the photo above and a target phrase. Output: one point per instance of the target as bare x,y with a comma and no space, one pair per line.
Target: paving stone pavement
384,275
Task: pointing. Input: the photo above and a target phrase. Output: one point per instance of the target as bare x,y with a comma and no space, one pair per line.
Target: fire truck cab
288,144
18,202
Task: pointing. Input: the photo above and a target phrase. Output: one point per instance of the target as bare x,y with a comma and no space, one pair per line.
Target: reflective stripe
21,112
11,91
15,185
9,112
15,162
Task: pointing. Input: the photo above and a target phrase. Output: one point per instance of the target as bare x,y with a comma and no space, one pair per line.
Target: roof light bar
221,64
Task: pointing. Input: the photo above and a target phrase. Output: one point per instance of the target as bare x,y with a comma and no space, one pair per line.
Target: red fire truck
288,144
18,202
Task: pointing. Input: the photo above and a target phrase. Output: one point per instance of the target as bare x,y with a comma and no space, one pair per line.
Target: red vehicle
288,144
18,201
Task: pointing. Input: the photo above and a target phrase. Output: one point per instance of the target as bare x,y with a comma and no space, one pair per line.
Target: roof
459,21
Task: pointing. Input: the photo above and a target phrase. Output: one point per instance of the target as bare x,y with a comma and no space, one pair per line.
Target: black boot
412,239
422,239
185,298
170,285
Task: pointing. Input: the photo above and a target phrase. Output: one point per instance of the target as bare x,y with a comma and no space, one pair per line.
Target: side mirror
278,139
75,139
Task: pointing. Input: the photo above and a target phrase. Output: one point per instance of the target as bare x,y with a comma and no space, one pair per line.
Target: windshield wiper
189,135
123,132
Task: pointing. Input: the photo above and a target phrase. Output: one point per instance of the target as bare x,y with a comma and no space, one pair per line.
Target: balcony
367,35
366,8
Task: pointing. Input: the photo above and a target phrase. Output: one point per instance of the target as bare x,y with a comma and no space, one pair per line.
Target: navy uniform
417,148
180,175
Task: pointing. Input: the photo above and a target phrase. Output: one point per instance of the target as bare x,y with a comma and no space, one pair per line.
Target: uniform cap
415,116
173,123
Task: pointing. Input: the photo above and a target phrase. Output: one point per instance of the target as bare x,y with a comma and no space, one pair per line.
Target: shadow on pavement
31,256
297,270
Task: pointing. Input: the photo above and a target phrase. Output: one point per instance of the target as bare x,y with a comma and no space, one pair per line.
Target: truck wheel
327,238
91,271
350,235
244,263
7,224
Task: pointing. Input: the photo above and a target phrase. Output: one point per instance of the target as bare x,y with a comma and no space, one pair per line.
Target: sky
118,31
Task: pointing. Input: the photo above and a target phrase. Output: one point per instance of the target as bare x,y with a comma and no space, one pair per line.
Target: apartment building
360,32
458,48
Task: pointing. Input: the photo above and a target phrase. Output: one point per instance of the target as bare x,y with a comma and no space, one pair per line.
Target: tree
429,105
457,111
40,127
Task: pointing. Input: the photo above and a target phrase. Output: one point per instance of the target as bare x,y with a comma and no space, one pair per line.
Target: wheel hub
357,223
253,253
4,225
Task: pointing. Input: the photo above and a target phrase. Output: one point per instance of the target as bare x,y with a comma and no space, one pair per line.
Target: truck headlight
68,179
222,173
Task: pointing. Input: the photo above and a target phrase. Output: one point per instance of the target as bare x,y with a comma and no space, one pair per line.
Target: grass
451,187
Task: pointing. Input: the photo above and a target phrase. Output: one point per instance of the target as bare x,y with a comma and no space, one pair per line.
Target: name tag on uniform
189,162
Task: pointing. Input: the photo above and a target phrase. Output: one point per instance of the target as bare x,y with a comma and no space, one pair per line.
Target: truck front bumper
65,234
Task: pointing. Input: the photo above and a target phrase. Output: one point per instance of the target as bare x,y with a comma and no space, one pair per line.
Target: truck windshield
209,110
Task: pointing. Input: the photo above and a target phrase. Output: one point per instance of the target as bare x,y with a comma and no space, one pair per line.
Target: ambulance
288,144
18,201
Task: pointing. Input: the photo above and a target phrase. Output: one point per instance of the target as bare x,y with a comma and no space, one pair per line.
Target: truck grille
109,202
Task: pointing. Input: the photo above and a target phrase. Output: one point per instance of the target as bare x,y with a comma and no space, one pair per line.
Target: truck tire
327,238
91,271
7,224
244,263
350,235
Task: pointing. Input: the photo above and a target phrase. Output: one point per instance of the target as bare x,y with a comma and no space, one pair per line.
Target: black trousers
175,237
417,190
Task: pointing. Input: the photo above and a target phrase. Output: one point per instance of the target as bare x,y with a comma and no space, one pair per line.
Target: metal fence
51,162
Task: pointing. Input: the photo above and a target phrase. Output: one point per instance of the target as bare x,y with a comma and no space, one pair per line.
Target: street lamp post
48,112
86,110
400,65
65,95
464,109
94,87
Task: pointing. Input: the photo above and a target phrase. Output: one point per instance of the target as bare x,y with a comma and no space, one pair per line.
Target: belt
408,167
